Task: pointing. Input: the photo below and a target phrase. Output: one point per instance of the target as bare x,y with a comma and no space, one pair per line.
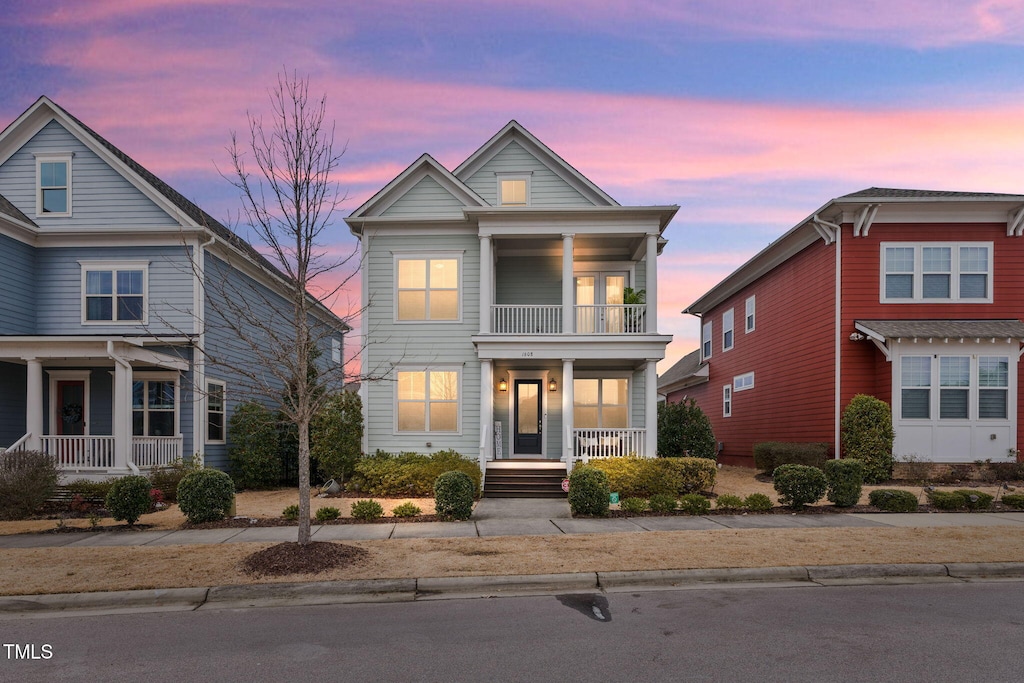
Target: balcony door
599,299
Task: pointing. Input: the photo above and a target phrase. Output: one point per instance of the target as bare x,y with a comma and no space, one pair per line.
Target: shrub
255,444
758,502
167,478
845,481
291,513
453,495
867,435
588,491
633,506
156,500
694,504
406,510
893,500
129,499
205,495
367,510
1014,500
336,434
947,500
727,501
799,485
645,477
27,480
768,455
327,514
976,500
94,492
409,474
663,502
684,430
689,475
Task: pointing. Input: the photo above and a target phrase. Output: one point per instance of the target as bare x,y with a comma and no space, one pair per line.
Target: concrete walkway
514,517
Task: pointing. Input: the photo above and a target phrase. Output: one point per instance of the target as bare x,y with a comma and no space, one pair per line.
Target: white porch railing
155,451
18,445
611,319
608,443
80,452
514,319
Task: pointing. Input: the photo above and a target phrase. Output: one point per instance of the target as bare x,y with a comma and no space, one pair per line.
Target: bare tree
283,172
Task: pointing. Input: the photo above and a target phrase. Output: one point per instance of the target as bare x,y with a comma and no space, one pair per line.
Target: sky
749,114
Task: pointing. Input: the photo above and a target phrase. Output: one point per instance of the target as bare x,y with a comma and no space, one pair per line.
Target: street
924,632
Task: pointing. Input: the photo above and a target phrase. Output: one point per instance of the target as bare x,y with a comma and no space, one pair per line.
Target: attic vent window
514,191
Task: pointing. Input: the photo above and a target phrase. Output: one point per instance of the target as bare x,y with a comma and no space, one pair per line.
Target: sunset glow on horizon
747,114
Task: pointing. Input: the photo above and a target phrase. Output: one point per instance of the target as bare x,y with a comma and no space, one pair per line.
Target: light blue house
499,315
114,353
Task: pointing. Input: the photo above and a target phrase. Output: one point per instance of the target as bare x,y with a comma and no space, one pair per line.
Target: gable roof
688,371
11,211
882,193
514,131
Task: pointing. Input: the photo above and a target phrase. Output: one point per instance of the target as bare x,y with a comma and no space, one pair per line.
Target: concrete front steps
524,479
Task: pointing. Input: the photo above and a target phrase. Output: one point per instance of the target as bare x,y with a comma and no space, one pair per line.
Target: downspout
839,334
127,366
199,357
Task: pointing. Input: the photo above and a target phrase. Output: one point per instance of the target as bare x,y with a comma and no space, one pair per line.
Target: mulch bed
293,558
246,522
98,529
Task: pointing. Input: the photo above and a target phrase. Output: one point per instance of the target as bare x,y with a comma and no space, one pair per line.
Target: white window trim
516,175
224,408
741,383
728,327
158,377
727,400
68,375
336,355
458,401
707,335
935,390
114,266
918,275
598,374
47,157
750,314
426,256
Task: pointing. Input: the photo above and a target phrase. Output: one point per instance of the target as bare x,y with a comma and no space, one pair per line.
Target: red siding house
911,296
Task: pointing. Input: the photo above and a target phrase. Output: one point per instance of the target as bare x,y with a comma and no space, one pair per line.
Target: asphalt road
947,632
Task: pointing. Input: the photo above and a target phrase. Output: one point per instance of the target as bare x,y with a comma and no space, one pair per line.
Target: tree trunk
304,507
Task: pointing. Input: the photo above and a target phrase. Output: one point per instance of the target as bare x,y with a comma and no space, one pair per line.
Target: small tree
867,435
255,446
684,429
336,435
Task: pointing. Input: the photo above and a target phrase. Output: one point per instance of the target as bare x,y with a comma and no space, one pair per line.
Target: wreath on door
72,413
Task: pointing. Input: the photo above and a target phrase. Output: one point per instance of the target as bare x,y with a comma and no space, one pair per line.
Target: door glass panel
585,311
526,394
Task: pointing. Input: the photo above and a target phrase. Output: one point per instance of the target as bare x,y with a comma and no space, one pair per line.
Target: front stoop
524,479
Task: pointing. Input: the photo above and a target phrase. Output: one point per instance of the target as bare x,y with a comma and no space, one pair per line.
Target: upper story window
427,288
750,314
53,185
705,340
335,350
514,190
727,336
727,401
937,272
114,292
744,381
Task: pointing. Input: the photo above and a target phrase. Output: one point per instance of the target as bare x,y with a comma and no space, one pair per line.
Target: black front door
528,417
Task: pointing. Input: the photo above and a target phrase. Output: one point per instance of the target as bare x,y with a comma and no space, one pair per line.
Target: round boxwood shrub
758,502
1014,500
893,500
694,504
367,510
845,481
408,509
633,506
453,495
327,514
589,491
799,485
205,495
867,435
727,501
663,502
128,498
947,500
976,500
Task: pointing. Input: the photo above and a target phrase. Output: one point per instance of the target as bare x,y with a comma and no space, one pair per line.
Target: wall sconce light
503,384
552,385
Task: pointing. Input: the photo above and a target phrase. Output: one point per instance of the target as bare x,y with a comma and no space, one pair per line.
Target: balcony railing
608,443
590,319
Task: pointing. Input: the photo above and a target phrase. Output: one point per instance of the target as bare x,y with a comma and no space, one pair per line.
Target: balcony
588,319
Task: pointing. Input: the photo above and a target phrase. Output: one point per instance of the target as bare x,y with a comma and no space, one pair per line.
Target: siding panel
546,187
17,287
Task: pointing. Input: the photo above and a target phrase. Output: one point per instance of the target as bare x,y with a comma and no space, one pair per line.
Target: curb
495,586
681,578
316,593
110,602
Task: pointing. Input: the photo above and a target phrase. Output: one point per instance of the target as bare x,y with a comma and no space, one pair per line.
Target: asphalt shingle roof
684,367
909,329
896,193
14,212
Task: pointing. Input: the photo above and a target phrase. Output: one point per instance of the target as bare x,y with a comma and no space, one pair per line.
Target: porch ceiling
623,247
79,350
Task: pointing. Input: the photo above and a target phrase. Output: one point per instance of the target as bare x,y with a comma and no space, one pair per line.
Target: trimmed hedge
947,500
367,510
799,485
727,501
635,477
845,481
893,500
255,438
768,455
663,502
1014,500
409,474
976,500
453,495
694,504
758,502
633,506
588,491
128,498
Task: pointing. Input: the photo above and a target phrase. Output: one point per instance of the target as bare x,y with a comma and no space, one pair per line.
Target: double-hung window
969,387
705,340
727,400
215,410
727,333
937,272
154,408
53,185
750,314
427,288
427,400
114,291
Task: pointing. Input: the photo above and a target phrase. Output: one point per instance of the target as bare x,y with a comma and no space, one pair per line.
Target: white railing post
568,285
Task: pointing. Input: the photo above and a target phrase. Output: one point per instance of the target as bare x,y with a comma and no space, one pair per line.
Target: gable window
727,400
214,411
154,408
53,185
749,318
114,292
727,337
601,403
428,288
705,340
743,382
937,272
428,400
514,190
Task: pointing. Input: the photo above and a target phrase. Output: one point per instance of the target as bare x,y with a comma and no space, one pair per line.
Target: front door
71,417
528,417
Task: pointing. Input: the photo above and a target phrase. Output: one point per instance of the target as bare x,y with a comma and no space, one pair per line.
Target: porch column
568,445
486,270
652,283
568,295
651,408
34,404
122,414
486,413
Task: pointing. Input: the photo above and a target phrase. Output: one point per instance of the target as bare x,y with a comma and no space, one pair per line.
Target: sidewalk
494,517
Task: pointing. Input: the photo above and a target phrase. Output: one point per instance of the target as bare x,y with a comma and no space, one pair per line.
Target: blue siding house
114,356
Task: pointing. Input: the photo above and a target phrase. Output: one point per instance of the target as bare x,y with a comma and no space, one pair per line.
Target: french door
599,299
